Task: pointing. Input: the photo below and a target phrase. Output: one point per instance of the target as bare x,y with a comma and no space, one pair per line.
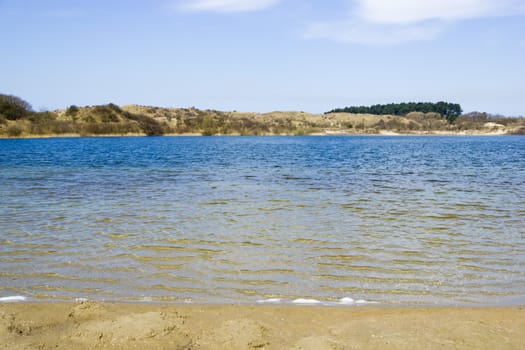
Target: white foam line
362,302
306,301
346,301
350,301
12,299
269,301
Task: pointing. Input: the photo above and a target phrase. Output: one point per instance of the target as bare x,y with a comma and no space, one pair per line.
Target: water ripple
407,220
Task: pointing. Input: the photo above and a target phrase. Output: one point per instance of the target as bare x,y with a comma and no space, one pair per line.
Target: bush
208,126
55,127
107,114
72,111
14,131
452,118
13,108
519,131
114,107
415,115
149,126
208,132
152,128
413,125
42,117
381,125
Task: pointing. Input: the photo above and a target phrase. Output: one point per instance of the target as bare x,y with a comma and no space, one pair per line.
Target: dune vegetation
17,119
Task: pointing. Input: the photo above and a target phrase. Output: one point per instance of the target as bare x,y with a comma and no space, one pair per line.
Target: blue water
395,220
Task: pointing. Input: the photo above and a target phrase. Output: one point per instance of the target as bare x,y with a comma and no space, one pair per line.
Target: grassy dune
154,121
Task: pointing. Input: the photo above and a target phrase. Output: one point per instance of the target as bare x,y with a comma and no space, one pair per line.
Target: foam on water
269,301
306,301
362,302
12,299
346,301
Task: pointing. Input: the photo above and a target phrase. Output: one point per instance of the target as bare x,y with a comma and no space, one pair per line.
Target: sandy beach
90,325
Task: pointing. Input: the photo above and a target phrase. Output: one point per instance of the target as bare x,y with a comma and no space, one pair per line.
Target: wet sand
90,325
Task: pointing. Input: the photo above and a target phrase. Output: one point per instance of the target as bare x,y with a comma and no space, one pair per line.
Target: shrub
413,125
208,132
14,131
42,117
381,125
415,115
62,127
149,126
152,128
519,131
451,118
108,113
13,108
209,126
114,107
72,111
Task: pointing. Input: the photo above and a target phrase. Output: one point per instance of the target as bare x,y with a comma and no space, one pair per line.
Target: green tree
13,107
450,111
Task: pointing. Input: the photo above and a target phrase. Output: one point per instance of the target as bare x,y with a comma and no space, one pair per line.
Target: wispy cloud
387,22
413,11
226,5
376,34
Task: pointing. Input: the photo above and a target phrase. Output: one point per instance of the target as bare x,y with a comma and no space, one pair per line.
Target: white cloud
363,32
413,11
226,5
387,22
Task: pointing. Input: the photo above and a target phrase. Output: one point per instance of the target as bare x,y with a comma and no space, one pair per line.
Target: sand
90,325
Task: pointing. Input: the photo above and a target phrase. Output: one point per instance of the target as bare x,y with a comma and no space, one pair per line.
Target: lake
338,220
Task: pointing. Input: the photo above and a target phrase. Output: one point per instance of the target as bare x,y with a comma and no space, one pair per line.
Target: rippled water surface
241,219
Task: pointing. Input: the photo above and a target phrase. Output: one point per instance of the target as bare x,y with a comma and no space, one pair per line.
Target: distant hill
110,119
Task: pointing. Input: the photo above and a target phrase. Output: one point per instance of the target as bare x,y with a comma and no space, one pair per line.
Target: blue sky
264,55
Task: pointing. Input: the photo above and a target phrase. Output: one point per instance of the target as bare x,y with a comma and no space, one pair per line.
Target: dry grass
141,120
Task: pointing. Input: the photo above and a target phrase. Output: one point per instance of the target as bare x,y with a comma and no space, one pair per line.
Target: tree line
450,111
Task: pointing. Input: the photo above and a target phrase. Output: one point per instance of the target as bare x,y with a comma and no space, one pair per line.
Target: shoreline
87,324
327,134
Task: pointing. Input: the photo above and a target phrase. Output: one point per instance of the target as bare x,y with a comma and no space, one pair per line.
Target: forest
450,111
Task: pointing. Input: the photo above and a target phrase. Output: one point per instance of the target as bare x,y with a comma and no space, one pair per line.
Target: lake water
394,220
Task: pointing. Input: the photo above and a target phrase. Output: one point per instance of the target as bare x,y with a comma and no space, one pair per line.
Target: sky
264,55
